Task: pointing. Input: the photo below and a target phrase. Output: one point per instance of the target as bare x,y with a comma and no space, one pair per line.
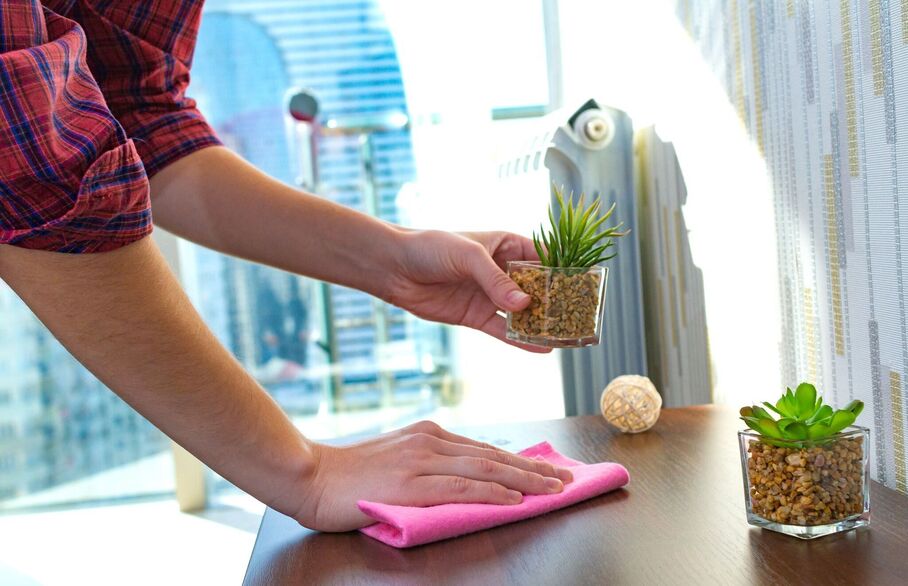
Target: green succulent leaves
802,416
575,239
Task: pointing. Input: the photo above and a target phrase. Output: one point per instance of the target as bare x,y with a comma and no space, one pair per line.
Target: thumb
503,292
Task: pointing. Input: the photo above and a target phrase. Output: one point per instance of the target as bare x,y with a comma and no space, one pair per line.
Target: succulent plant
802,416
575,240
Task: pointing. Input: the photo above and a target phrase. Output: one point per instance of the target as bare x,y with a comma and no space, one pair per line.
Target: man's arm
124,316
215,198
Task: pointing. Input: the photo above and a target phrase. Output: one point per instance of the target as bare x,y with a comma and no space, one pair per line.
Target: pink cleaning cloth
402,526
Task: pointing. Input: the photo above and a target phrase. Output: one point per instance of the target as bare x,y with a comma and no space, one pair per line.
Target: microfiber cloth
402,526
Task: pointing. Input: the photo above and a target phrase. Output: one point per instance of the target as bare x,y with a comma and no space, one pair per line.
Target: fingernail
517,297
515,497
564,474
553,485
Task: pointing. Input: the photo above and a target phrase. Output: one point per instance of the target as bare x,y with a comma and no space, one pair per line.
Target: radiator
654,317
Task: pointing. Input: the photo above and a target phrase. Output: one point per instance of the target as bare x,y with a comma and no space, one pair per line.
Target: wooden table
679,521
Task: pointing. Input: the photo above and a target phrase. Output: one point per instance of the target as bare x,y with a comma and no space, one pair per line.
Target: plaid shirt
92,103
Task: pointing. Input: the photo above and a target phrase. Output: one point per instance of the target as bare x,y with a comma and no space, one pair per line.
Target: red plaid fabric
92,102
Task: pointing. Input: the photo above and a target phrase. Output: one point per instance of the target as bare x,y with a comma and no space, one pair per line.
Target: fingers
505,246
490,470
503,292
513,247
527,249
539,467
443,442
496,326
441,489
432,428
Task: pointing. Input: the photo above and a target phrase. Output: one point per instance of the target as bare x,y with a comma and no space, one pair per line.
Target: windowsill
516,112
149,476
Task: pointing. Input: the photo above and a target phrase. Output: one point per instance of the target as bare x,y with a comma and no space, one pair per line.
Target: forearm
124,316
216,199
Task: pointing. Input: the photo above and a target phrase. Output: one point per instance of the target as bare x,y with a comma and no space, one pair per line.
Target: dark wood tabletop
679,521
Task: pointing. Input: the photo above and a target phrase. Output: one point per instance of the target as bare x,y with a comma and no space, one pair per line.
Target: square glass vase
807,488
566,306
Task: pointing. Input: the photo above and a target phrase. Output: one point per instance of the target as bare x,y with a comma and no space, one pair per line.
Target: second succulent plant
801,416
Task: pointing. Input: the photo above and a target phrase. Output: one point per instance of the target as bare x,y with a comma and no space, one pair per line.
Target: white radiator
654,319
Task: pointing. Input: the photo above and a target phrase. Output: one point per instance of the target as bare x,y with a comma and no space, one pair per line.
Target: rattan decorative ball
631,403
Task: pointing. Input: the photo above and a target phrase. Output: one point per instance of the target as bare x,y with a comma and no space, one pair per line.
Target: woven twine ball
631,403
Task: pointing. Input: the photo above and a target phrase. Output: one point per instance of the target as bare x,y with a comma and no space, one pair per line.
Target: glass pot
566,310
807,488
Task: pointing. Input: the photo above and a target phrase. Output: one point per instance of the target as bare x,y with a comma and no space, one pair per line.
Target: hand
420,465
460,279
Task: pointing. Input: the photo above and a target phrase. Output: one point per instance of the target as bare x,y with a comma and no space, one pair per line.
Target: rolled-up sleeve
70,179
141,54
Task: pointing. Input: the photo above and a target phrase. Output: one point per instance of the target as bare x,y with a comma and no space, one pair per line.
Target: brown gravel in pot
808,485
564,307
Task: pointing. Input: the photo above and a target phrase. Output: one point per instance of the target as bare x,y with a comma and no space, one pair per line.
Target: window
59,425
336,360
